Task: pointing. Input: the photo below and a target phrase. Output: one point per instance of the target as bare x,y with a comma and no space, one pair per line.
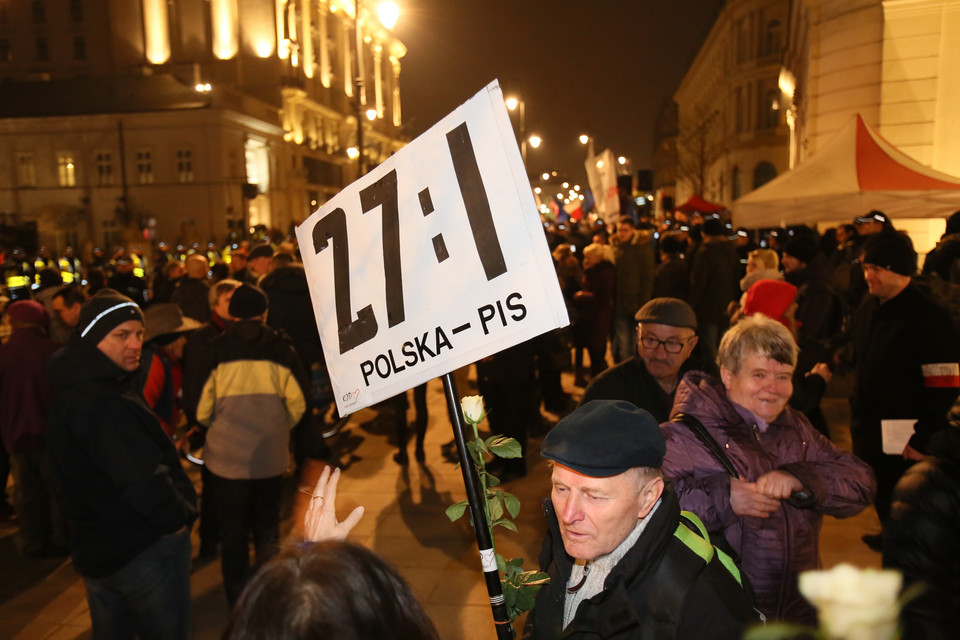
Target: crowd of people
722,344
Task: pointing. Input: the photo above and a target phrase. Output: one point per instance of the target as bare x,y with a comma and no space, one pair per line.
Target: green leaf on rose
503,446
512,504
456,510
508,524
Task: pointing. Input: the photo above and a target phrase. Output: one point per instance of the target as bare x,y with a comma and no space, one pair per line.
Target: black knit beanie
891,251
247,301
102,313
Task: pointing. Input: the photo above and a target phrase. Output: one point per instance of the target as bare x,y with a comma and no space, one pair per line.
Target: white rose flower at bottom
472,407
852,603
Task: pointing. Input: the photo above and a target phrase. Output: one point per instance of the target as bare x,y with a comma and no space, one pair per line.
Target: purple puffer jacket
772,551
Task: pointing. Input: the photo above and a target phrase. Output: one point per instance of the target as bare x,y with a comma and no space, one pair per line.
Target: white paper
457,304
896,435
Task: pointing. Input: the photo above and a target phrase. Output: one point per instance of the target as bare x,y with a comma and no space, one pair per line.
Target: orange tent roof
856,171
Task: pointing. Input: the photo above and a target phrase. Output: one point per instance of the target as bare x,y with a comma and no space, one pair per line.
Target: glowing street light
388,13
584,138
535,141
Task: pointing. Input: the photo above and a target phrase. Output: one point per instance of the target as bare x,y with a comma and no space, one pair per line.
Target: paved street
404,522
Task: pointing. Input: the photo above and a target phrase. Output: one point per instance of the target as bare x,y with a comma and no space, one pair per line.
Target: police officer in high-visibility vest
41,262
18,275
70,268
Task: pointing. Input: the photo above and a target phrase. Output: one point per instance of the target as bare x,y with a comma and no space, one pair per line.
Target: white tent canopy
855,172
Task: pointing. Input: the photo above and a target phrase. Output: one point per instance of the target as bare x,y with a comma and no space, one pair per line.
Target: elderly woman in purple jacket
780,475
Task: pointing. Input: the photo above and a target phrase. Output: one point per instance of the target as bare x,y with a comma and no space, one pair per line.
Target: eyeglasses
671,346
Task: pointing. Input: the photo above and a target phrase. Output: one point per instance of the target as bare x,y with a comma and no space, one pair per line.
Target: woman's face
762,385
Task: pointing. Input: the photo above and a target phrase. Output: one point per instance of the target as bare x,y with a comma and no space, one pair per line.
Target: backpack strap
676,573
707,440
692,540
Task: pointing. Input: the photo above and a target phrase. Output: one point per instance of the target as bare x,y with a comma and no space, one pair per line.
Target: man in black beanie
129,503
618,565
907,365
255,394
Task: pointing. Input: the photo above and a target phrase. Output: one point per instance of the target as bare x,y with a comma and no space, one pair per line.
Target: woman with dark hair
333,589
328,588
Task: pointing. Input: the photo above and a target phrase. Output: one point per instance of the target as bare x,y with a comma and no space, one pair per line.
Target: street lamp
584,138
515,104
535,141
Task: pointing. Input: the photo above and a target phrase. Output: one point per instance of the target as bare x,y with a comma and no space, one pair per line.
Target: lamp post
358,83
516,104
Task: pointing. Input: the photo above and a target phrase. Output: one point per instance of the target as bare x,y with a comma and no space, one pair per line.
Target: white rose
854,604
472,407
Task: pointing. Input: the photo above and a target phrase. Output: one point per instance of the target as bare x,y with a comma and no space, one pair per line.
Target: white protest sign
435,259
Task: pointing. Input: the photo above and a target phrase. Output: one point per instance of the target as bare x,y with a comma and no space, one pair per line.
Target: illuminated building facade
730,134
893,61
182,120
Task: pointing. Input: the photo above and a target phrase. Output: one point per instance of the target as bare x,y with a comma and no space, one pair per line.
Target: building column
324,49
346,39
156,28
306,12
378,77
395,66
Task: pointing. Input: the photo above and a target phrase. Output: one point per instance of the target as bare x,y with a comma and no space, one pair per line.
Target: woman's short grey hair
759,335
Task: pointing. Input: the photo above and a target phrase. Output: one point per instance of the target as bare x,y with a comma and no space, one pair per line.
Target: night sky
603,68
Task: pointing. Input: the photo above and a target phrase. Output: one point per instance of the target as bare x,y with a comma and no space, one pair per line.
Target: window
144,167
43,52
741,124
39,12
66,170
770,44
5,54
76,11
26,172
79,48
735,183
764,173
3,12
185,165
769,113
104,169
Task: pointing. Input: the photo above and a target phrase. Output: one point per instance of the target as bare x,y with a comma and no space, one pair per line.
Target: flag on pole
602,176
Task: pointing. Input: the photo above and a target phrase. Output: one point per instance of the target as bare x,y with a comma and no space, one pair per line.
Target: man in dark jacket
636,270
192,290
906,355
714,283
129,502
616,569
819,311
667,337
24,398
256,392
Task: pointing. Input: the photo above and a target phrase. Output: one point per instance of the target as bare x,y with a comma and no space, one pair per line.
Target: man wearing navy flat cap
616,568
666,339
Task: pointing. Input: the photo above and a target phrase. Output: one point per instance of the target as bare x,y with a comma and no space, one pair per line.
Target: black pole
475,496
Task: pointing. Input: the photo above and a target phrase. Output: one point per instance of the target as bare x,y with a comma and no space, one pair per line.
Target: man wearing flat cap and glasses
666,339
617,566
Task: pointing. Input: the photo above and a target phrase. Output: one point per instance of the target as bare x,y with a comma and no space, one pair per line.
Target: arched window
764,173
39,12
735,183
